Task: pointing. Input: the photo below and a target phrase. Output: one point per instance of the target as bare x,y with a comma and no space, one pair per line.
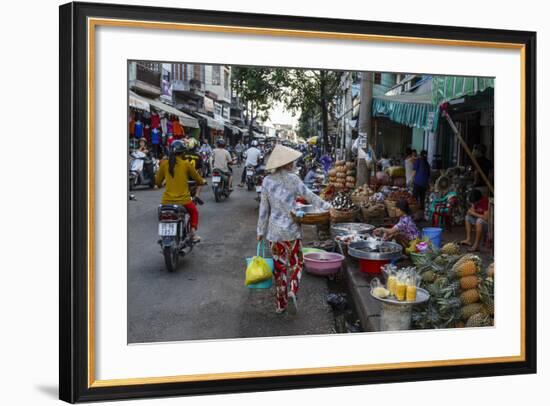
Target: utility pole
365,119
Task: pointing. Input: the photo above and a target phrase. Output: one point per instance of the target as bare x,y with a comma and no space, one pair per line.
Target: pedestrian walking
276,224
421,178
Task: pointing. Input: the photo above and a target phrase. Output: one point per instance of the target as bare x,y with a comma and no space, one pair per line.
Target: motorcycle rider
177,171
252,159
205,152
239,150
223,160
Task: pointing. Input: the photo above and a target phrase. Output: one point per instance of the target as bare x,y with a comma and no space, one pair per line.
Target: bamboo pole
468,151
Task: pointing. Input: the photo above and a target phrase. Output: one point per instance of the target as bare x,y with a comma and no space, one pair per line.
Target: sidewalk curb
368,309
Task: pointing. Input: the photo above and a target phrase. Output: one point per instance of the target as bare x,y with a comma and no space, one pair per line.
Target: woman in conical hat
280,190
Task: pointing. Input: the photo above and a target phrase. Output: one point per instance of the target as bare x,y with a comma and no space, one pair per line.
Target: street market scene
270,202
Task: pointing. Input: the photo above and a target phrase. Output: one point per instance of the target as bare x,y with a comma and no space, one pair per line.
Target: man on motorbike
223,161
205,152
252,159
177,171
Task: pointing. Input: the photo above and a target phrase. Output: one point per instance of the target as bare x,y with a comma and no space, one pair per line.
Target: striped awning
447,88
185,119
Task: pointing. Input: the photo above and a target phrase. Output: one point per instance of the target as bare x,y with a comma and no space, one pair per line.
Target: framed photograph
257,202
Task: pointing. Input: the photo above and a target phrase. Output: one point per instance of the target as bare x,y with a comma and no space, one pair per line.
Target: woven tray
312,218
339,216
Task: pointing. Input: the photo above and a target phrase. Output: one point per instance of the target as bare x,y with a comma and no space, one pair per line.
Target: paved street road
206,297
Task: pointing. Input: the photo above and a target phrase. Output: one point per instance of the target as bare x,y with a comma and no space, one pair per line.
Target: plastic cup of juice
392,281
400,290
411,293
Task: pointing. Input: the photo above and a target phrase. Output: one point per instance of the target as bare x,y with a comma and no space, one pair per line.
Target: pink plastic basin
323,263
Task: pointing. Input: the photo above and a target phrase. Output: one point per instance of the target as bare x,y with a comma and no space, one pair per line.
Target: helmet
254,143
178,146
191,143
220,142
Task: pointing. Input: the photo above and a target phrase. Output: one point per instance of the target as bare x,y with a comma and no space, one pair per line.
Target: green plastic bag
257,271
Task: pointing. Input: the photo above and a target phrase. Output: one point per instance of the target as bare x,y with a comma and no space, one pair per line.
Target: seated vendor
405,230
477,216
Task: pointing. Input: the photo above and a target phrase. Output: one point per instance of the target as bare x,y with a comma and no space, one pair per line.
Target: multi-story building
145,78
188,86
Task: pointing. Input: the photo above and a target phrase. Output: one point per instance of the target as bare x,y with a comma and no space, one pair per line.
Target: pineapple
429,276
467,265
469,282
450,248
469,310
491,270
478,320
469,296
487,295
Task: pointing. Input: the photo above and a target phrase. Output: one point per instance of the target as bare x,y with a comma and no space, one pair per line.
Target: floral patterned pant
288,259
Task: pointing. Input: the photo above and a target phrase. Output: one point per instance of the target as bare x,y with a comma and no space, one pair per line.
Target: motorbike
259,180
205,169
142,170
175,232
220,185
250,177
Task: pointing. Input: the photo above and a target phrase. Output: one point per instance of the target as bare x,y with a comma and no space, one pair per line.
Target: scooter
220,185
205,169
175,232
259,180
142,170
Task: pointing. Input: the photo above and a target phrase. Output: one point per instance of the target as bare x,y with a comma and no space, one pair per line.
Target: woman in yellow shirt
177,172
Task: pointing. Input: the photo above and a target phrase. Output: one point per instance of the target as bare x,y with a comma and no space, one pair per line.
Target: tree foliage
257,88
311,92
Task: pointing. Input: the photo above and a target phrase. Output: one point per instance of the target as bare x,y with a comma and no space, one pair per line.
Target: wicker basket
340,216
359,200
391,208
312,218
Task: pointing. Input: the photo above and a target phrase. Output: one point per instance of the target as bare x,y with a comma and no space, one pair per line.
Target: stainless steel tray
362,250
350,228
422,296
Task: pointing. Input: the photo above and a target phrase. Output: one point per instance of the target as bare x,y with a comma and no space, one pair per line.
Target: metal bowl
350,228
385,251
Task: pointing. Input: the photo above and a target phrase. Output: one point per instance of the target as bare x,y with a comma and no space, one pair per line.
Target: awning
259,135
212,123
446,88
137,102
410,109
185,119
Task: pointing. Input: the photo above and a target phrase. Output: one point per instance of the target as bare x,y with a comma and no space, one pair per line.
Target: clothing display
138,129
155,120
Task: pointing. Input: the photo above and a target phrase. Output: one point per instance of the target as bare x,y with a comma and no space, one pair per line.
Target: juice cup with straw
400,289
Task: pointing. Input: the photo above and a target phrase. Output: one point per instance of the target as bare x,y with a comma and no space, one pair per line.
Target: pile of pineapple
461,291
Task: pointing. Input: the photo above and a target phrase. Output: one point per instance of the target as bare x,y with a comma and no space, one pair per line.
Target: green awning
446,88
410,109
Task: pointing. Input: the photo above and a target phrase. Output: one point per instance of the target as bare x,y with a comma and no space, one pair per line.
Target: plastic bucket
434,234
267,283
372,266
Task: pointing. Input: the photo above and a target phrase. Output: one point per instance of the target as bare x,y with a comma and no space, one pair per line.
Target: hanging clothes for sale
138,129
131,126
164,125
146,132
169,127
177,129
155,120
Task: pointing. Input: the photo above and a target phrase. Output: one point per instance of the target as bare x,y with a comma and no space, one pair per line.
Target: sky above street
278,115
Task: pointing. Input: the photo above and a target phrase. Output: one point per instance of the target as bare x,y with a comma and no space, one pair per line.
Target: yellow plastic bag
257,271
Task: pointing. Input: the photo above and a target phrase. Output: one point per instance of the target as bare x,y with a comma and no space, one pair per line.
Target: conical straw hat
281,156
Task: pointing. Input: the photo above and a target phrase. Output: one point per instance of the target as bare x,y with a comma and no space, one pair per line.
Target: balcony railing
148,76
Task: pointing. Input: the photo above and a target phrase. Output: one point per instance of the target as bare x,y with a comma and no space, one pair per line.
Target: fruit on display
380,292
342,176
460,296
402,194
362,191
469,296
491,270
451,248
469,282
469,310
479,320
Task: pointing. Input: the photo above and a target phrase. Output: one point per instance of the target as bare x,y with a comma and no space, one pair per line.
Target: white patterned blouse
278,198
